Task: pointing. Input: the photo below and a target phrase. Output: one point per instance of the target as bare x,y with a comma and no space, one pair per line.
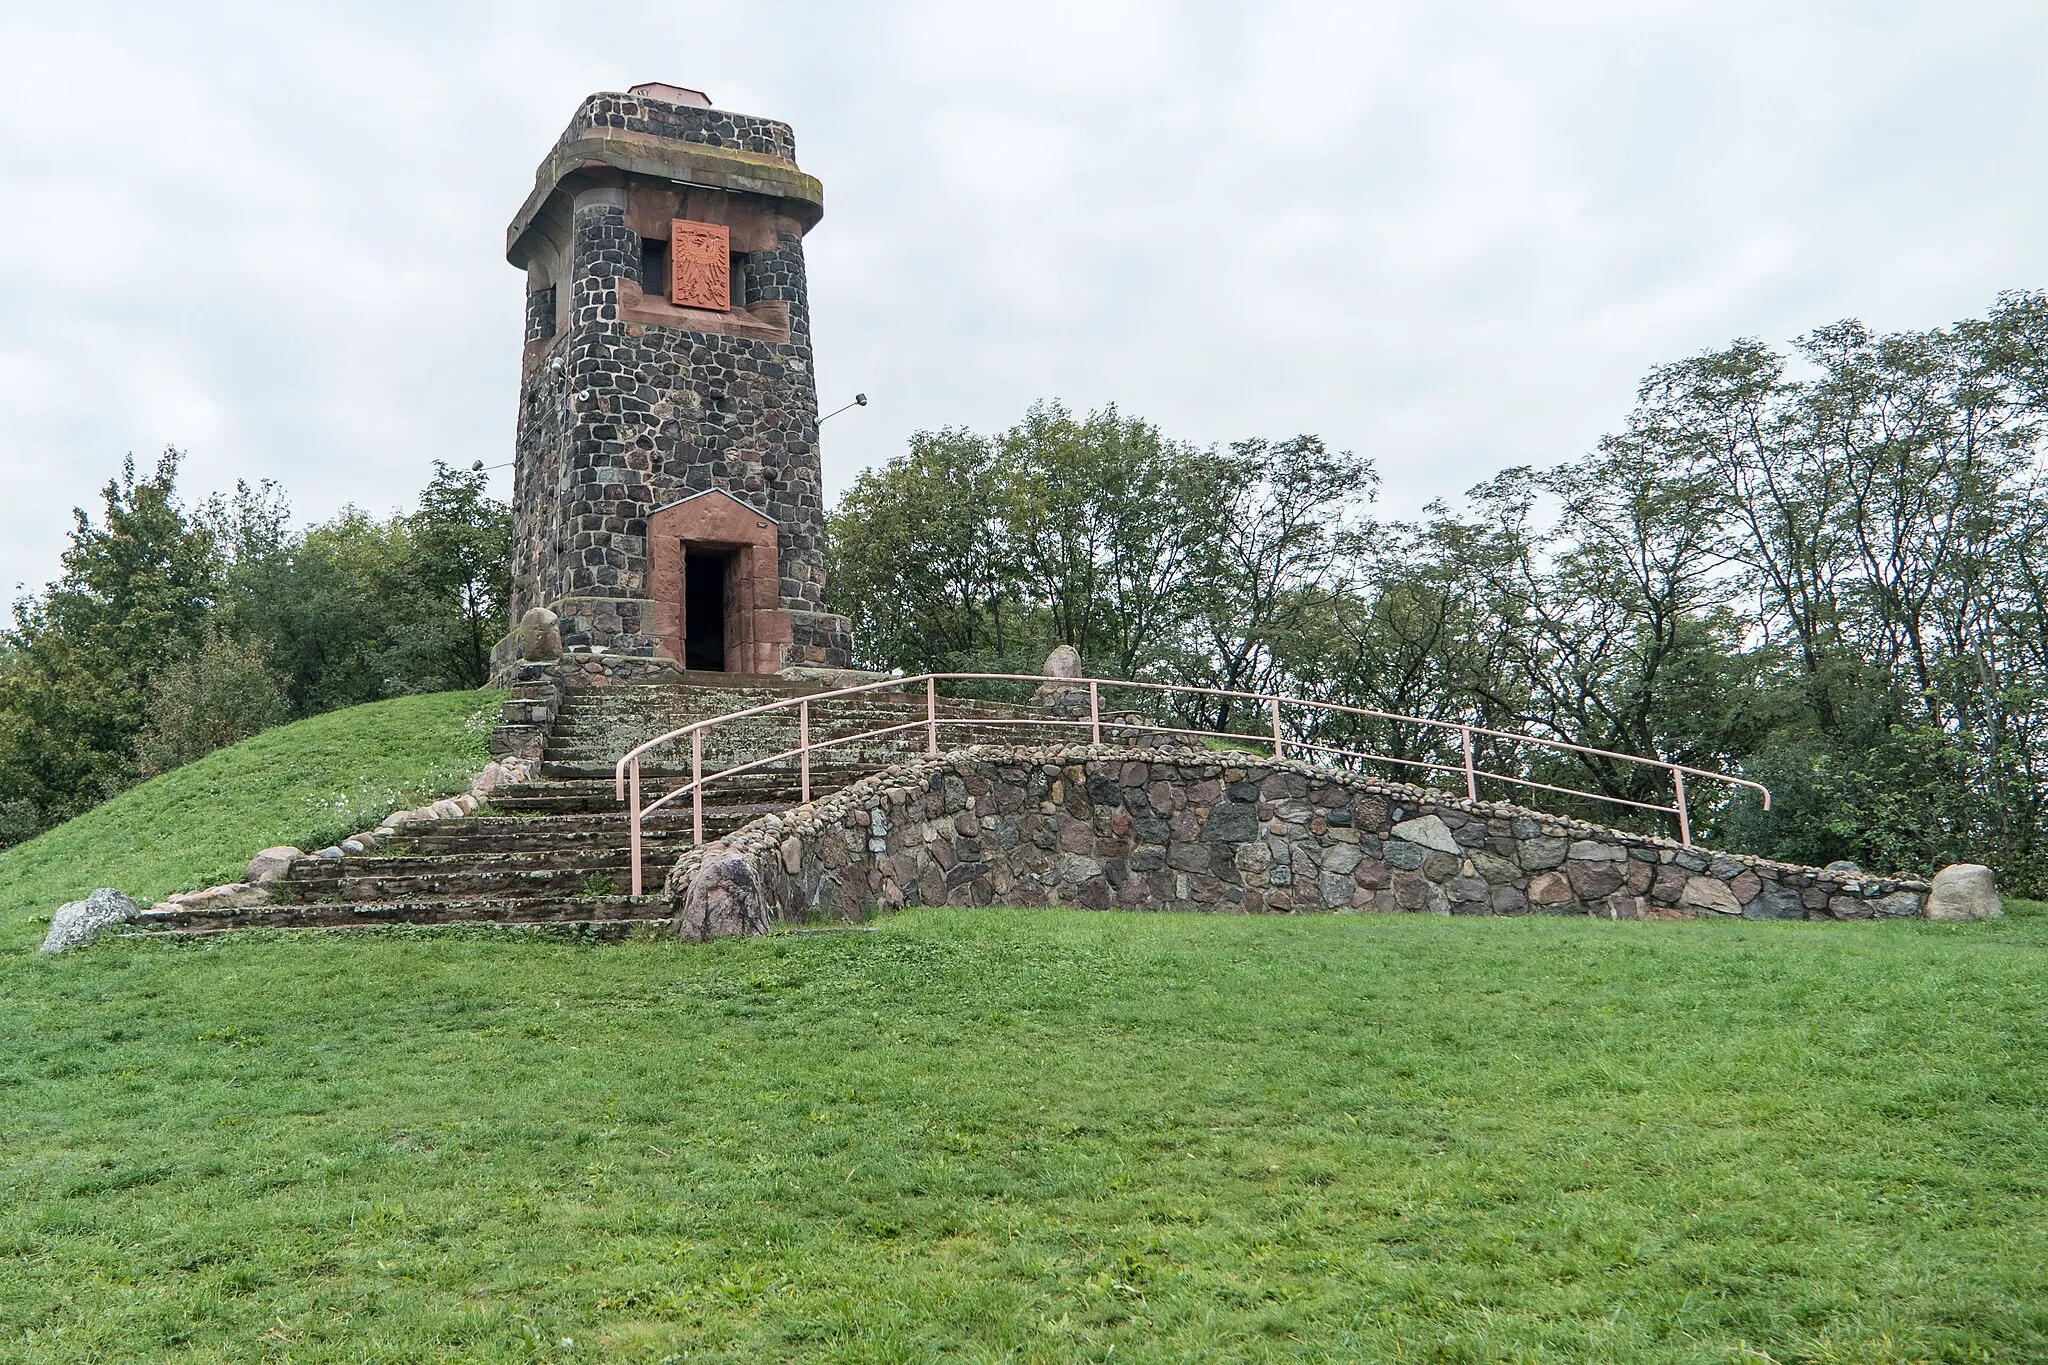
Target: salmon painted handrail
627,775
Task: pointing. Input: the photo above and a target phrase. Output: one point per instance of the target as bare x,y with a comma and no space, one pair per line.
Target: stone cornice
801,195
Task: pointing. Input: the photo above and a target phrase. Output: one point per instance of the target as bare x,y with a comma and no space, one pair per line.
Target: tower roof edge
686,144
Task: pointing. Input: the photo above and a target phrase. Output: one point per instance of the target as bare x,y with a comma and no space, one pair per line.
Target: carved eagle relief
699,265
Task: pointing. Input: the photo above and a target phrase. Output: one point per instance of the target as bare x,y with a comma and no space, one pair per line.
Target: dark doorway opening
704,610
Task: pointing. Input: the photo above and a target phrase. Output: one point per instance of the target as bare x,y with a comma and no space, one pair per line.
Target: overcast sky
1451,236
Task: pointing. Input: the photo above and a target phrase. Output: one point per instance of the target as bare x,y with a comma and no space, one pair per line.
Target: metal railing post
633,784
1279,745
803,746
931,715
1471,773
1684,820
697,786
1094,713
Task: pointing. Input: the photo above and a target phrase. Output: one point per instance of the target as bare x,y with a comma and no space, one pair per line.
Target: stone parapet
646,114
1140,829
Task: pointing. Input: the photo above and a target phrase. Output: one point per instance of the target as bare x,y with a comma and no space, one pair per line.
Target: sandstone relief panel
700,265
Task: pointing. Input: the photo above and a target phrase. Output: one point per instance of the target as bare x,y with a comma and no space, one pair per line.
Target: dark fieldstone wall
540,314
1141,830
683,123
638,416
620,416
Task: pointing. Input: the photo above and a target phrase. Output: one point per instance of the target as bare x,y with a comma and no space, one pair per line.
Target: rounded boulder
1963,893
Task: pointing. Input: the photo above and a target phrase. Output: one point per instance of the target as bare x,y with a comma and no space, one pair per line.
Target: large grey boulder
723,900
540,635
1429,831
1063,662
1705,893
272,863
1963,892
1057,694
80,922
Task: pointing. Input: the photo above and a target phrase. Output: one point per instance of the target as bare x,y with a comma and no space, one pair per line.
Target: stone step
785,774
555,910
702,683
607,722
852,748
762,729
331,872
539,826
468,876
598,800
597,785
574,719
566,835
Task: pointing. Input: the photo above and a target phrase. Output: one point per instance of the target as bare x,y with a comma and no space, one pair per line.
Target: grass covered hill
307,783
1035,1136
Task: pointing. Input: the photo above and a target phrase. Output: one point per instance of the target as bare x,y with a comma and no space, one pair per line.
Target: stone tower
667,499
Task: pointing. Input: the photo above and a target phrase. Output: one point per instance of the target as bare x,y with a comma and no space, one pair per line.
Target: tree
1287,531
134,591
206,699
174,631
1108,524
461,561
981,553
920,558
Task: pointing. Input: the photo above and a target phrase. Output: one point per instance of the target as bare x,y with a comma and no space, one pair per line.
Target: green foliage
207,699
133,594
361,607
461,538
1827,570
1110,529
306,784
1276,546
918,556
982,553
988,1135
172,631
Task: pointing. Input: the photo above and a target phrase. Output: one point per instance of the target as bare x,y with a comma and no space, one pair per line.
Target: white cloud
1452,236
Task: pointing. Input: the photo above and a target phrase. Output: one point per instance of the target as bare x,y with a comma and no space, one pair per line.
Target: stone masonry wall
637,416
684,123
1137,829
536,689
628,404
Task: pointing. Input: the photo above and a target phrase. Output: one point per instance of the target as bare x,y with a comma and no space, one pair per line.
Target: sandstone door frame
757,630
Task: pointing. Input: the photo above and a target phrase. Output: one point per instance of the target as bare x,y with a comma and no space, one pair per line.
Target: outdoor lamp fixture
860,400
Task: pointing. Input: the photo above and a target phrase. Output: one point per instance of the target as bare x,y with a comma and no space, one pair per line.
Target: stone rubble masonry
1136,829
270,864
652,117
629,404
537,687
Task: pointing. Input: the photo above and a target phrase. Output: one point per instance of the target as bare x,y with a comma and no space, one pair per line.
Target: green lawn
1006,1135
308,784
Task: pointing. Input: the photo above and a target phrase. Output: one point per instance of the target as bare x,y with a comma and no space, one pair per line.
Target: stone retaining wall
1139,829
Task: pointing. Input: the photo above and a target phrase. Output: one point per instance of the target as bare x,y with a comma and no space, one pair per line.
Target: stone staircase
555,850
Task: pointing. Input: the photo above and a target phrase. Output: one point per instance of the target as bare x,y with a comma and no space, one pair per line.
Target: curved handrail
627,773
